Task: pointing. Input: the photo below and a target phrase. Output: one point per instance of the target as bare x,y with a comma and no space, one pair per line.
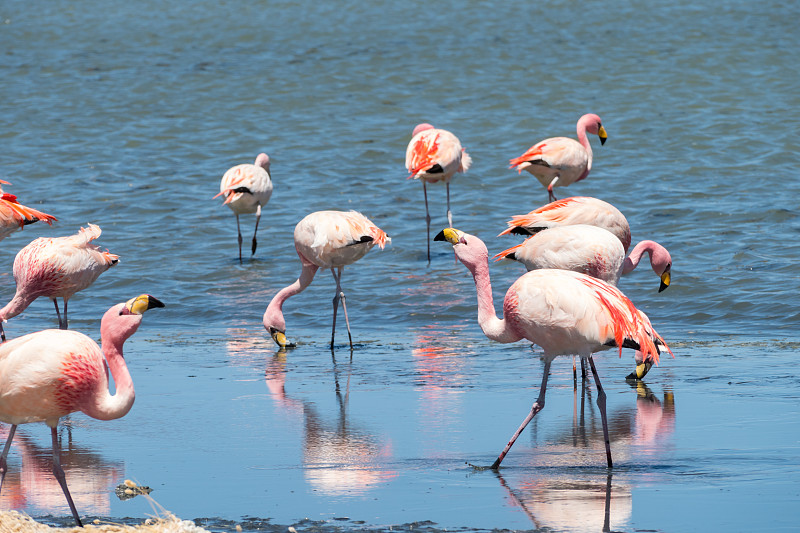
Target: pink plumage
324,239
564,312
49,374
14,216
561,161
57,267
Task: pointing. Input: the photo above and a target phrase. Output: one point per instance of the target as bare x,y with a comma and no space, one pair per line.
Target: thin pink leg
58,472
239,231
538,405
427,218
601,403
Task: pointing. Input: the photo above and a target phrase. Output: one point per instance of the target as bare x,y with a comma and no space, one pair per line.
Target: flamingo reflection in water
562,500
30,484
337,457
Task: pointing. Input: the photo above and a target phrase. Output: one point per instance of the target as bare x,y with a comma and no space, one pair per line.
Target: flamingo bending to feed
57,267
246,188
570,211
561,161
435,155
588,249
49,374
13,215
325,239
564,312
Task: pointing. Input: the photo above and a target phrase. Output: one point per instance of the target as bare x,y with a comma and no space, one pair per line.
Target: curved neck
632,261
17,305
106,406
584,140
494,328
273,316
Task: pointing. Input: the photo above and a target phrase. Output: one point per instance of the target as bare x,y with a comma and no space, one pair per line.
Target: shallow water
127,117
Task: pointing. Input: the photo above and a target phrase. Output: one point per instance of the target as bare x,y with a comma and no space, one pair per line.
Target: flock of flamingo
567,303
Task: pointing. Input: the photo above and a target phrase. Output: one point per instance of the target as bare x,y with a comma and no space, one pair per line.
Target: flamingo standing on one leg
564,312
435,155
570,211
325,239
49,374
54,268
561,161
590,250
13,215
247,188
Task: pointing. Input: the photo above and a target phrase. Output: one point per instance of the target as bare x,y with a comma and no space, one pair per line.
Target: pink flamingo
325,239
561,161
564,312
590,250
435,155
49,374
54,268
569,211
13,215
246,188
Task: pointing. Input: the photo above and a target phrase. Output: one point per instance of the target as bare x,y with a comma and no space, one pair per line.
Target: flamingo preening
14,216
324,239
561,161
435,155
49,374
246,189
564,312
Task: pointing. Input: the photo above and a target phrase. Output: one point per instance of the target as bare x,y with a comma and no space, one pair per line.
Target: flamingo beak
603,135
280,338
451,235
141,303
641,370
665,279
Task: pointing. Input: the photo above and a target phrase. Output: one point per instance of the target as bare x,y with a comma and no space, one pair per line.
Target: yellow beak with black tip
451,235
142,303
603,135
665,278
641,370
280,338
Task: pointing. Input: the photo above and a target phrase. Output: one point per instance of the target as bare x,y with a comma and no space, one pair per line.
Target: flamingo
324,239
564,312
13,215
246,188
561,161
435,155
573,210
56,267
49,374
588,249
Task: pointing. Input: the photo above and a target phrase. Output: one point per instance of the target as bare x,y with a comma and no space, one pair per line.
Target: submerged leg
340,296
239,231
58,472
538,405
427,219
3,463
258,217
601,403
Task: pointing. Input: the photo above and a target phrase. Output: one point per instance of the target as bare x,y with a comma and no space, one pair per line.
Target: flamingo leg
449,213
58,314
538,405
339,296
58,472
66,323
258,217
601,403
2,332
239,231
550,189
3,463
427,218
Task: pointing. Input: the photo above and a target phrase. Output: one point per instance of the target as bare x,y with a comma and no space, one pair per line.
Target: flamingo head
262,161
421,127
276,326
469,249
592,123
122,320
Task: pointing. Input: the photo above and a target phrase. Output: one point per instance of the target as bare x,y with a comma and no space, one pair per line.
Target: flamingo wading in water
57,267
246,188
435,155
564,312
561,161
13,215
49,374
325,239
